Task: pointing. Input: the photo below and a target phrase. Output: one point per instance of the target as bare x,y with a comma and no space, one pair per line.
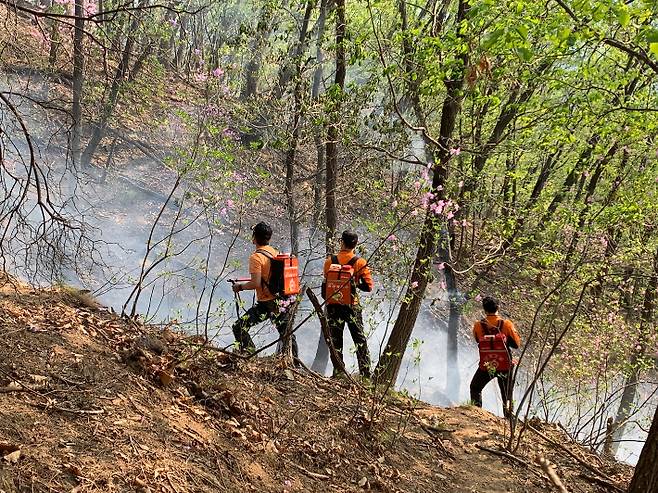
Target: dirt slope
90,403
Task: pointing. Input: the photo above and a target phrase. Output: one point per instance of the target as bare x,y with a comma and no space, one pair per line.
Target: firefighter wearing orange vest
266,306
491,327
345,309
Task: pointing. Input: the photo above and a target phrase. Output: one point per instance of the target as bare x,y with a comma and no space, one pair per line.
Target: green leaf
652,36
492,38
523,32
563,33
653,48
623,16
524,53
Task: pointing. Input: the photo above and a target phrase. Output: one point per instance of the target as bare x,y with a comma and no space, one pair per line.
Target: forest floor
91,402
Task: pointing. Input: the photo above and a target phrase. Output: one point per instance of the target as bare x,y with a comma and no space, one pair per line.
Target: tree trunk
631,384
645,479
318,137
252,69
456,301
78,69
332,131
100,126
391,359
298,110
54,40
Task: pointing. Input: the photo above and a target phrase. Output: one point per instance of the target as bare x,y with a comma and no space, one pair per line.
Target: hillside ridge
91,402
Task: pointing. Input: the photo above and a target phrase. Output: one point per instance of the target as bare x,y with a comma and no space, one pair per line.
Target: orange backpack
494,353
284,274
340,287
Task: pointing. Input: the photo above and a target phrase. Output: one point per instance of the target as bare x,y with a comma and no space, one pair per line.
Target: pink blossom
224,211
197,51
200,77
478,297
173,22
460,184
229,134
441,266
392,238
218,72
90,8
443,284
450,215
394,203
456,151
229,204
414,284
464,223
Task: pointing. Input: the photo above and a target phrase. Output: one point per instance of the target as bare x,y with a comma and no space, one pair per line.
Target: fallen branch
310,474
507,455
582,462
47,407
430,430
548,468
8,389
600,481
336,360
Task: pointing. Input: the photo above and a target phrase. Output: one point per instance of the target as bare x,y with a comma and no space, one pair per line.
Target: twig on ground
582,462
548,468
507,455
310,474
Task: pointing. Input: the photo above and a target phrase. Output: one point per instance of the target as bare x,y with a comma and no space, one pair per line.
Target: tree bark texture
391,359
100,127
78,74
629,395
258,44
645,479
332,132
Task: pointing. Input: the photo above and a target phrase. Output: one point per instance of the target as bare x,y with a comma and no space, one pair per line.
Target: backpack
284,274
494,353
339,288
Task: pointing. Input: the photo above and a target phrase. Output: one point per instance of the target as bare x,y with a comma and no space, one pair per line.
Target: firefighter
346,309
266,307
502,337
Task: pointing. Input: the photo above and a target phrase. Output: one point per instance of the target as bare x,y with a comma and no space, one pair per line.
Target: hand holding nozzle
235,284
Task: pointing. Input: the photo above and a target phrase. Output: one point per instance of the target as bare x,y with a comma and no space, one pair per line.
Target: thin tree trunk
332,131
391,359
252,69
298,110
318,137
78,74
631,384
100,126
54,41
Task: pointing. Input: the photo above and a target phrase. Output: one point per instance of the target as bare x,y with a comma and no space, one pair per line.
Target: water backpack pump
284,274
494,353
340,288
